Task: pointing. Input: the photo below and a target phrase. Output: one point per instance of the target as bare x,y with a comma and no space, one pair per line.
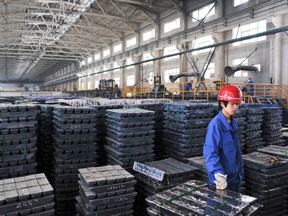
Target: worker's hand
220,181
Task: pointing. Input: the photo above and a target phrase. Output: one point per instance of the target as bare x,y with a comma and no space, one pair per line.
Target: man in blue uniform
189,86
222,151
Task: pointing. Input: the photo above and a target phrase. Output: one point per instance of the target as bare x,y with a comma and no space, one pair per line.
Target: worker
221,151
250,86
189,86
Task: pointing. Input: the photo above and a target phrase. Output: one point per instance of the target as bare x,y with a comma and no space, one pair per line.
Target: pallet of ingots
197,198
26,195
272,126
156,176
185,127
18,140
241,116
44,141
158,107
253,138
100,121
104,191
279,151
125,129
75,146
199,163
266,178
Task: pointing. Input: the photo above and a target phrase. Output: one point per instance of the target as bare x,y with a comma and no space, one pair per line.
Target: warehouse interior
111,101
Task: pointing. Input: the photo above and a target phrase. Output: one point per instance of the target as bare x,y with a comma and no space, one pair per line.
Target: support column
219,57
137,68
278,51
183,61
121,62
157,64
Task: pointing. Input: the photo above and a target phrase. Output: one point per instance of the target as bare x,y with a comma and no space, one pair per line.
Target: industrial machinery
108,89
159,88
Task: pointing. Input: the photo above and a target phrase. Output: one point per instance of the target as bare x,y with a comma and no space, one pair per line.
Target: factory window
96,84
239,2
130,80
106,52
172,25
115,65
149,34
249,29
89,85
199,14
169,72
147,56
151,78
117,80
96,56
128,62
210,72
201,42
82,63
117,48
89,59
105,67
170,50
131,42
240,73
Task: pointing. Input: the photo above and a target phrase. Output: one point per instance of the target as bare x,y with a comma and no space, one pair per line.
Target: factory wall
270,53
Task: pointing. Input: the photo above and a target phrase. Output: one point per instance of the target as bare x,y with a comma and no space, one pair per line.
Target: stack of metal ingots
74,141
201,172
44,141
278,152
105,191
101,129
18,140
241,117
130,136
266,178
185,127
197,198
272,126
26,195
158,107
156,176
253,138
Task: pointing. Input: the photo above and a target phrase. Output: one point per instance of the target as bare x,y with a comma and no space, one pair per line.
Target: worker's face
230,109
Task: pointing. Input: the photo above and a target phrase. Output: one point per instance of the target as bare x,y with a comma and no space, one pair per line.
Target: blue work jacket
222,151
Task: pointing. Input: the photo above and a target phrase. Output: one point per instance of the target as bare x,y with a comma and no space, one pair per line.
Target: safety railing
207,90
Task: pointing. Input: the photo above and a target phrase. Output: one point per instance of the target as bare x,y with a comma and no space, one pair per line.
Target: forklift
108,89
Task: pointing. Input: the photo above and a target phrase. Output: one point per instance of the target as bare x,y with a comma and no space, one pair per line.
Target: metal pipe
222,43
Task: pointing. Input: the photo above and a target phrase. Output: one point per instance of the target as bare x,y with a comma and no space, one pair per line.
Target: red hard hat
230,93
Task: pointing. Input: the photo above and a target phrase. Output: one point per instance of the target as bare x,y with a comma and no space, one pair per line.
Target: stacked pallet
185,127
156,176
197,198
44,141
272,126
199,163
241,117
18,140
130,136
105,191
26,195
266,178
101,133
158,108
253,138
74,142
278,151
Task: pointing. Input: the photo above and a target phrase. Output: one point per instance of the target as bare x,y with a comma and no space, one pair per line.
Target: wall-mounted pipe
229,71
222,43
